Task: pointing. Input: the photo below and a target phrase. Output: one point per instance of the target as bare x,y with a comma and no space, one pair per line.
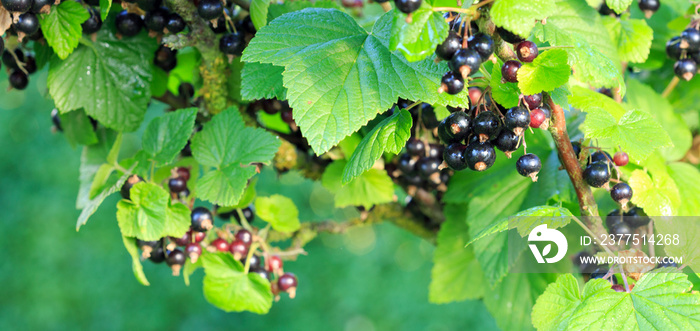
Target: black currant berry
155,20
27,23
618,288
666,264
146,247
449,47
219,244
482,44
10,61
454,127
533,101
613,218
165,58
480,156
248,213
538,118
690,39
37,5
186,90
238,249
193,251
622,229
415,147
262,272
605,10
510,71
201,219
685,69
517,119
466,62
577,148
407,6
20,6
56,120
649,7
177,184
406,164
600,273
621,193
673,48
19,80
287,116
176,259
600,156
232,44
427,115
128,24
158,254
451,83
454,156
621,159
94,23
435,151
636,217
130,182
175,23
527,51
529,165
246,25
288,283
244,236
412,180
427,167
487,126
508,142
210,9
508,36
597,174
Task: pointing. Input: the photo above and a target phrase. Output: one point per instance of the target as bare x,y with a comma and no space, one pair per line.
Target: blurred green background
55,278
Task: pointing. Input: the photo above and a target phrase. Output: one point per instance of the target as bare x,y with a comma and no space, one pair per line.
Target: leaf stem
251,251
671,85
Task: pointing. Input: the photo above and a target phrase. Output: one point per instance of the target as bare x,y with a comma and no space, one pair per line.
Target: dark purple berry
27,23
597,174
176,259
649,6
480,156
248,213
186,90
165,58
201,219
94,23
510,71
466,62
19,80
482,44
407,164
20,6
130,182
533,101
415,147
527,51
244,236
177,184
37,5
128,24
449,47
155,20
407,6
690,39
621,193
451,83
232,44
158,254
238,249
454,156
288,283
508,142
517,119
613,218
600,156
486,125
529,165
454,128
685,69
210,9
673,48
175,23
193,251
636,217
427,167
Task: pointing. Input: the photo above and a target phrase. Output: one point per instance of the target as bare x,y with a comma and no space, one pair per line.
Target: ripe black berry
19,80
527,51
480,156
605,10
288,283
193,251
9,61
533,101
175,23
597,174
130,182
601,272
451,83
508,142
427,167
407,164
244,236
37,5
666,264
255,261
165,58
287,116
482,44
649,6
232,44
412,179
487,126
246,25
577,148
176,259
449,47
146,247
508,36
210,9
27,23
186,90
600,156
128,24
517,119
20,6
428,117
454,127
415,147
407,6
621,159
155,20
529,165
94,23
435,151
622,229
158,254
673,48
454,156
201,219
621,193
238,249
636,217
510,71
685,69
613,219
690,39
538,118
262,272
177,184
184,240
56,120
248,213
466,62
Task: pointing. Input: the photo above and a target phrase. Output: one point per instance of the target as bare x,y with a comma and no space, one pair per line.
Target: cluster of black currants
19,65
177,183
648,7
420,166
274,106
685,49
464,56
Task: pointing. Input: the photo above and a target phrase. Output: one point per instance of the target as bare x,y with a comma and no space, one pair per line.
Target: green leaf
149,215
279,211
368,189
687,179
636,132
228,145
228,287
512,300
90,206
558,303
326,56
262,81
110,78
560,96
526,220
167,135
418,39
278,9
658,196
587,100
77,128
390,135
688,234
547,72
234,81
456,275
105,6
258,12
644,98
505,93
62,28
632,37
618,6
132,248
519,16
189,269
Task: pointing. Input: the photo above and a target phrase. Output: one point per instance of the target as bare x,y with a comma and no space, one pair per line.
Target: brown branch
172,100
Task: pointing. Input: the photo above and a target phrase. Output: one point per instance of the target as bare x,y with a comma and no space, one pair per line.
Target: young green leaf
619,6
687,179
587,100
110,78
61,27
130,244
559,302
368,189
506,94
519,16
90,205
632,37
149,215
418,39
258,12
688,234
278,9
166,135
279,211
77,128
326,56
262,81
512,299
388,136
228,287
526,220
547,72
658,196
560,96
105,6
